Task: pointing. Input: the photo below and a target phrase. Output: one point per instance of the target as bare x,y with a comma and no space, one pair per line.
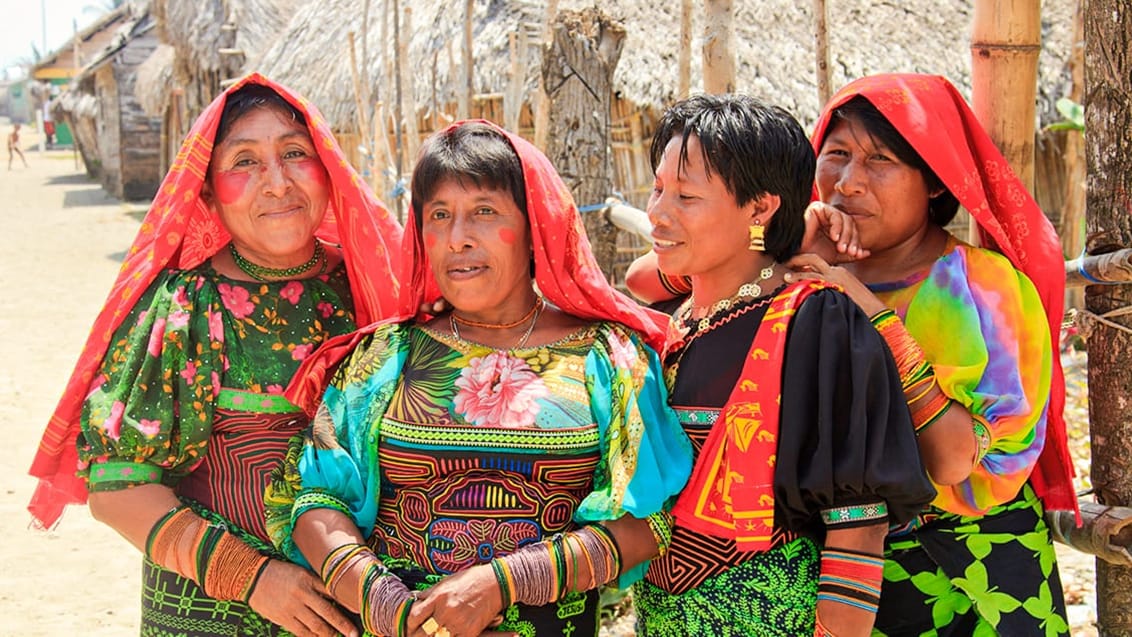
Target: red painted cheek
430,241
508,236
311,170
230,186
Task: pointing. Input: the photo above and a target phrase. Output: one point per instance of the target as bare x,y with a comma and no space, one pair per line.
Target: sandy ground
66,237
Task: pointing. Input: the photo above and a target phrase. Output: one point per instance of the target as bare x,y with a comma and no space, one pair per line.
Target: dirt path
65,241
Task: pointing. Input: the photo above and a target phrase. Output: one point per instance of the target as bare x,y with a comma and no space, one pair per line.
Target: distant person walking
14,146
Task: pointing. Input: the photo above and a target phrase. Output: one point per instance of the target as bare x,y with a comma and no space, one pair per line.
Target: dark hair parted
942,207
755,148
472,152
248,98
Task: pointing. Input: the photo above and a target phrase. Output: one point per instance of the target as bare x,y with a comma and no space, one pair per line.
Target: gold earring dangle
757,236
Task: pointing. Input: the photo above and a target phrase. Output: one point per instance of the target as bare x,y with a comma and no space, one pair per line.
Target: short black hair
248,98
755,148
941,208
474,152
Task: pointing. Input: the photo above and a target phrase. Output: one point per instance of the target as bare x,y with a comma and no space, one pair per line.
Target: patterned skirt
961,576
771,595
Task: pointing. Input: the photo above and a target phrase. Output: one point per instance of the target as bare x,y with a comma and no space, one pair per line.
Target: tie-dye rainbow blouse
981,324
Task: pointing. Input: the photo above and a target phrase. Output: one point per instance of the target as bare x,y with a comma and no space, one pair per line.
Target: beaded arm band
921,390
542,573
223,566
383,599
850,577
855,515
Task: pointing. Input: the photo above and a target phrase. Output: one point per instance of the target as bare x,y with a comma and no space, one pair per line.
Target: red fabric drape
180,232
565,271
931,114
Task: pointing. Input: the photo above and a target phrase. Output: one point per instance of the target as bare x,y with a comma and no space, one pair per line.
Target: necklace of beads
500,326
264,273
535,312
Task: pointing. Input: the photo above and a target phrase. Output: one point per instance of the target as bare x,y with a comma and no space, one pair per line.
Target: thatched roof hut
774,47
774,50
119,143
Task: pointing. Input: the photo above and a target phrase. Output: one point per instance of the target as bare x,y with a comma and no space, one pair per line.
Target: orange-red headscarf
565,271
180,232
931,114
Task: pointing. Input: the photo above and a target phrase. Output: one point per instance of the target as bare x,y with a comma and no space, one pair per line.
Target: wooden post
465,106
821,48
1108,226
578,71
1073,210
1006,40
542,102
684,58
719,57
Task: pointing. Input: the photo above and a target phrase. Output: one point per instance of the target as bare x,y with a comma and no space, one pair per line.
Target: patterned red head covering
181,232
934,118
565,271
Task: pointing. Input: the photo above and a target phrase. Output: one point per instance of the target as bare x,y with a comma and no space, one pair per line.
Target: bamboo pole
821,48
719,57
398,132
408,92
513,98
360,114
1005,44
367,98
542,102
469,80
684,60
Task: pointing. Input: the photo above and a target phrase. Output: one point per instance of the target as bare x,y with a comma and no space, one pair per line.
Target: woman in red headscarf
260,245
514,453
972,330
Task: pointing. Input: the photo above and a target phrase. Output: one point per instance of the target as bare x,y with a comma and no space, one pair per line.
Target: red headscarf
565,271
180,232
933,117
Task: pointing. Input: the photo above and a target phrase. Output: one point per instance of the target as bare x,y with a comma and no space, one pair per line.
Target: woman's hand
463,604
831,234
294,598
812,266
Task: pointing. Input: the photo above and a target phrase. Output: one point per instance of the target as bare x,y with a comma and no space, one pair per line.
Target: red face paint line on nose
230,186
507,235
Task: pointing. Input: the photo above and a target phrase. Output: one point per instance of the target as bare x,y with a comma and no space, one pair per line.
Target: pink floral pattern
293,291
236,299
499,390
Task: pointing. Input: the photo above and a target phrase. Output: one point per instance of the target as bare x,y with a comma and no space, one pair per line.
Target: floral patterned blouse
446,453
197,343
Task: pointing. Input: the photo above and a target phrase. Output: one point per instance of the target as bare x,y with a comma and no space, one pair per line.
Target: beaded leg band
850,577
223,566
383,599
542,573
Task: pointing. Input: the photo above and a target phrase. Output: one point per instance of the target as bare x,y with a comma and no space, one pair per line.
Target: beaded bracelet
660,523
982,438
910,360
930,411
851,577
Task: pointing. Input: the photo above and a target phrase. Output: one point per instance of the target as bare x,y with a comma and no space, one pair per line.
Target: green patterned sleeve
148,414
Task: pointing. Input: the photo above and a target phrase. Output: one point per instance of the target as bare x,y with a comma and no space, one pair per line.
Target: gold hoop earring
757,236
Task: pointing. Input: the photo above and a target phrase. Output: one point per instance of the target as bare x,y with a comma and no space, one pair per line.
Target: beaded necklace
500,326
536,313
264,273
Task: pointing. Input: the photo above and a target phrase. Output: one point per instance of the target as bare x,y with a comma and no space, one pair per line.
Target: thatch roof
211,40
155,80
773,40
